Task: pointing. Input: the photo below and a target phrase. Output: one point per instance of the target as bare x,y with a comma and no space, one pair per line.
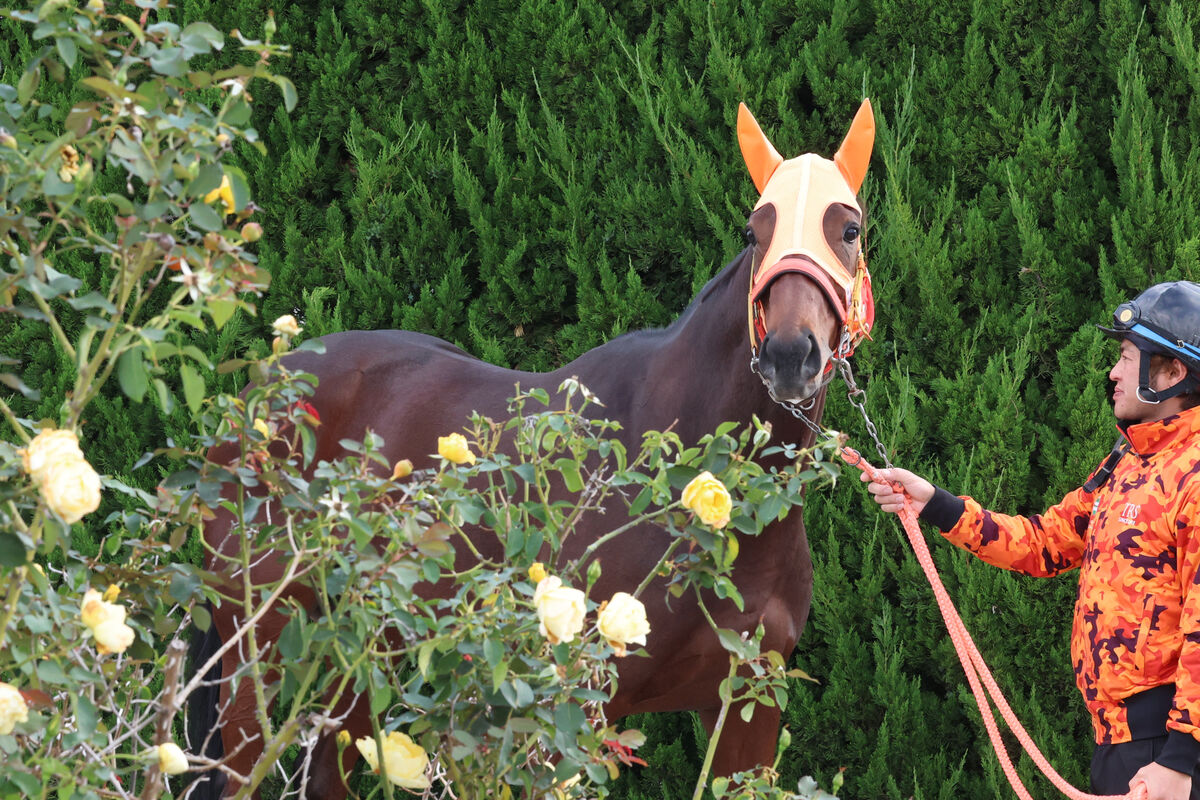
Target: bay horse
761,334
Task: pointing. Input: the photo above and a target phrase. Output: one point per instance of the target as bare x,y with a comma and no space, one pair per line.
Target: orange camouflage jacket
1136,543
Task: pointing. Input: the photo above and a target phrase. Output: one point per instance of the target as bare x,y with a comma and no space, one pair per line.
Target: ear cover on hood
854,156
760,155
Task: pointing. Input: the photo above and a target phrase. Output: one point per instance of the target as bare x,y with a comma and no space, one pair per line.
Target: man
1133,530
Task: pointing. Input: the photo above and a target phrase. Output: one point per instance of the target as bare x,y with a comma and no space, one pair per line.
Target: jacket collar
1152,437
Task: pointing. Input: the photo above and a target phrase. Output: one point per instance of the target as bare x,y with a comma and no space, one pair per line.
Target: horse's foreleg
241,734
743,745
324,779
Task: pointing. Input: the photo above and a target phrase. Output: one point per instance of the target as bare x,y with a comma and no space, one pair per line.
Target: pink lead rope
978,674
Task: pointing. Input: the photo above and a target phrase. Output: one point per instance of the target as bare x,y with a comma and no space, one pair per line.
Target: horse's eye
850,234
750,238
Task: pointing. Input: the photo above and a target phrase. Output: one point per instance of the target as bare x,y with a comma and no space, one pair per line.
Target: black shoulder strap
1120,448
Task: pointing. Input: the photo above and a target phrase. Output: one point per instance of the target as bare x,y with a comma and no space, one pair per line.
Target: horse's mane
714,284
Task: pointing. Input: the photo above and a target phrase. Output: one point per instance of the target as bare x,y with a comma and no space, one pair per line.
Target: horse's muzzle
792,366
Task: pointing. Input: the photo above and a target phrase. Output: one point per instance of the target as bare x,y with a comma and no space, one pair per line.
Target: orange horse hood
801,190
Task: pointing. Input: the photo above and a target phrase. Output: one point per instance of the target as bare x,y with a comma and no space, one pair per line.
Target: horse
759,340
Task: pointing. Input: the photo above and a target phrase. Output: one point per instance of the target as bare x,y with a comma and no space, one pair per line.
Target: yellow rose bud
286,326
560,610
622,621
84,174
708,499
402,470
454,448
112,593
8,140
71,489
403,759
172,760
343,739
252,231
537,573
13,708
261,427
561,788
69,157
95,6
224,193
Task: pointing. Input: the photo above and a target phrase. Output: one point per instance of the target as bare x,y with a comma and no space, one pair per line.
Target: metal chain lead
854,394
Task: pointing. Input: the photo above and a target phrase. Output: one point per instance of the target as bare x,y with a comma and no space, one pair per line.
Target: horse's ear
760,155
854,156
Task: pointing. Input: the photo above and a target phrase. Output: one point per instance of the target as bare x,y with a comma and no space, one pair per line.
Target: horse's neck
696,373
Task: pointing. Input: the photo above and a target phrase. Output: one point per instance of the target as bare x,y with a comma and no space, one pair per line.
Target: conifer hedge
528,180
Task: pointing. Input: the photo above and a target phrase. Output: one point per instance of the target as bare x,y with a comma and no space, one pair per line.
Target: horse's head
810,294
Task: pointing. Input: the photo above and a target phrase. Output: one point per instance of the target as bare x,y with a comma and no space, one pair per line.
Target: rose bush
496,688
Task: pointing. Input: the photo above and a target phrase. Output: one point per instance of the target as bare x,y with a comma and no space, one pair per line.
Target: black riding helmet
1163,320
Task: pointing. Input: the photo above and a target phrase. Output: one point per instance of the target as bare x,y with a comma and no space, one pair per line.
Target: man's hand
898,482
1162,783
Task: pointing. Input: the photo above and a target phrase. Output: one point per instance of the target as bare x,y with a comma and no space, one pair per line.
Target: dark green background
531,179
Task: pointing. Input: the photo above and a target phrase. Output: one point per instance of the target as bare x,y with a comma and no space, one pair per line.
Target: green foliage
529,180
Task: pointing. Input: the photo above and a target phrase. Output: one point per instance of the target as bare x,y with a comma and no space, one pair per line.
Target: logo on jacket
1129,514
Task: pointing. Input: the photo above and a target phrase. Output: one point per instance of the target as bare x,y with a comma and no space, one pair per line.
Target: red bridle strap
855,304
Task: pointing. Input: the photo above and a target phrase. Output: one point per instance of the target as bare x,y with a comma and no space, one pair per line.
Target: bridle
857,314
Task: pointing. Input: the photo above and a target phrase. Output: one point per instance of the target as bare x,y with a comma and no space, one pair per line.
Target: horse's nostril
812,362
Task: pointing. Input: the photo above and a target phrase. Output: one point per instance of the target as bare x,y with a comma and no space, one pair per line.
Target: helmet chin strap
1156,396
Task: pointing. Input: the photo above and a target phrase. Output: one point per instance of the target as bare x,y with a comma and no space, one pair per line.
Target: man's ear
1175,371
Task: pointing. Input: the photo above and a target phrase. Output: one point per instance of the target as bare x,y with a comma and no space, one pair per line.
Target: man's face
1127,406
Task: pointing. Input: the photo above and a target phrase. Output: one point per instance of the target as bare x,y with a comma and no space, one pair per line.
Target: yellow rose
560,610
224,193
112,637
263,428
12,708
286,326
94,609
171,760
71,489
454,448
623,621
49,447
708,499
537,573
403,759
107,623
